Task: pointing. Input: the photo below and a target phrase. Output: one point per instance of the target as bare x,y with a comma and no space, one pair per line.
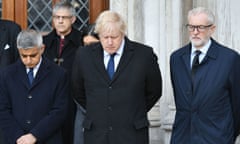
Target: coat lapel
125,59
203,74
22,74
126,56
97,55
42,72
186,55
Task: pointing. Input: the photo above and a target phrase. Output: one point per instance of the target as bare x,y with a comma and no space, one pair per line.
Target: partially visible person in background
8,35
89,37
33,95
8,49
61,46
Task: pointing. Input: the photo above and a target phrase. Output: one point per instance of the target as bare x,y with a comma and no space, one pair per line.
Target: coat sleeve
8,124
235,94
77,80
153,81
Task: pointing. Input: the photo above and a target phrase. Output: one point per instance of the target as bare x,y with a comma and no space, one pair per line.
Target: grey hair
64,5
29,39
199,10
110,16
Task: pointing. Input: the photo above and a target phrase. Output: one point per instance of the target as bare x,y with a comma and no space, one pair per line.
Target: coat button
29,97
28,121
109,108
110,128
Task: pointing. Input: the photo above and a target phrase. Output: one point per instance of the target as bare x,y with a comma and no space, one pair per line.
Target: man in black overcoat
61,45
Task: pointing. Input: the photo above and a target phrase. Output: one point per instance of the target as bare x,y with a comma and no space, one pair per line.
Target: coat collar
212,53
97,53
72,36
41,74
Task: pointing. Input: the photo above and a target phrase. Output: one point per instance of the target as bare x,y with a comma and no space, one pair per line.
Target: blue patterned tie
30,75
110,66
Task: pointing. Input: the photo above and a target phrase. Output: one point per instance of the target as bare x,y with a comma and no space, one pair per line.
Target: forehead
62,11
198,19
29,51
112,33
110,29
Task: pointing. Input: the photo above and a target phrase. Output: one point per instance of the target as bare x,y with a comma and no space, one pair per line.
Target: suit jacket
207,107
39,109
116,110
8,49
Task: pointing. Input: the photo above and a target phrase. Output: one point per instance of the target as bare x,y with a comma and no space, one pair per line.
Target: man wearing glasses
61,45
205,78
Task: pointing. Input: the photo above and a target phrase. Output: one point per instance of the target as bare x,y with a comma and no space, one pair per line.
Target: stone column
132,12
143,26
170,39
151,37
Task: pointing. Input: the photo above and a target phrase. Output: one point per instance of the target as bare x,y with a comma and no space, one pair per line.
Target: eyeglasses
200,28
61,17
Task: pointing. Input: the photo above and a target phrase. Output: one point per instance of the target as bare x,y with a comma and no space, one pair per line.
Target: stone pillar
170,39
121,7
151,37
132,12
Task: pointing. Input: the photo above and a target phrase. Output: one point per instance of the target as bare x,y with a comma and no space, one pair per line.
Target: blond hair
106,17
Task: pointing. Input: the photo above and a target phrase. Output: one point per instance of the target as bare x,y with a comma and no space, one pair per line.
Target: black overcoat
116,110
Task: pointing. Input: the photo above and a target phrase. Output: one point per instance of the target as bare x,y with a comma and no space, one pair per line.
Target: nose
195,30
28,60
109,41
60,20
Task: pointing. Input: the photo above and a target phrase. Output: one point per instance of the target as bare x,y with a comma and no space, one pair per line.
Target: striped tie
110,66
30,75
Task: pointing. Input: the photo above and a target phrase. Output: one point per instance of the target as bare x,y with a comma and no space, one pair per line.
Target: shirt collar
204,49
35,69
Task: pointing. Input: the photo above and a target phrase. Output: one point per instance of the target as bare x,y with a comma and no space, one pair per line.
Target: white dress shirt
117,57
203,50
35,69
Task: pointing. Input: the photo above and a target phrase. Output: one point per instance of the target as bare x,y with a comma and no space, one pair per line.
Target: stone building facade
161,24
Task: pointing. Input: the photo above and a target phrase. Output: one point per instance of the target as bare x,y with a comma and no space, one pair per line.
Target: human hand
27,139
89,39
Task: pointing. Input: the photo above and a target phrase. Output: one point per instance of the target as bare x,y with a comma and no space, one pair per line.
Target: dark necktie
110,65
195,62
61,44
30,75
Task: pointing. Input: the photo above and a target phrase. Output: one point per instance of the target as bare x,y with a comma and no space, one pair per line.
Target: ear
73,19
42,48
213,28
